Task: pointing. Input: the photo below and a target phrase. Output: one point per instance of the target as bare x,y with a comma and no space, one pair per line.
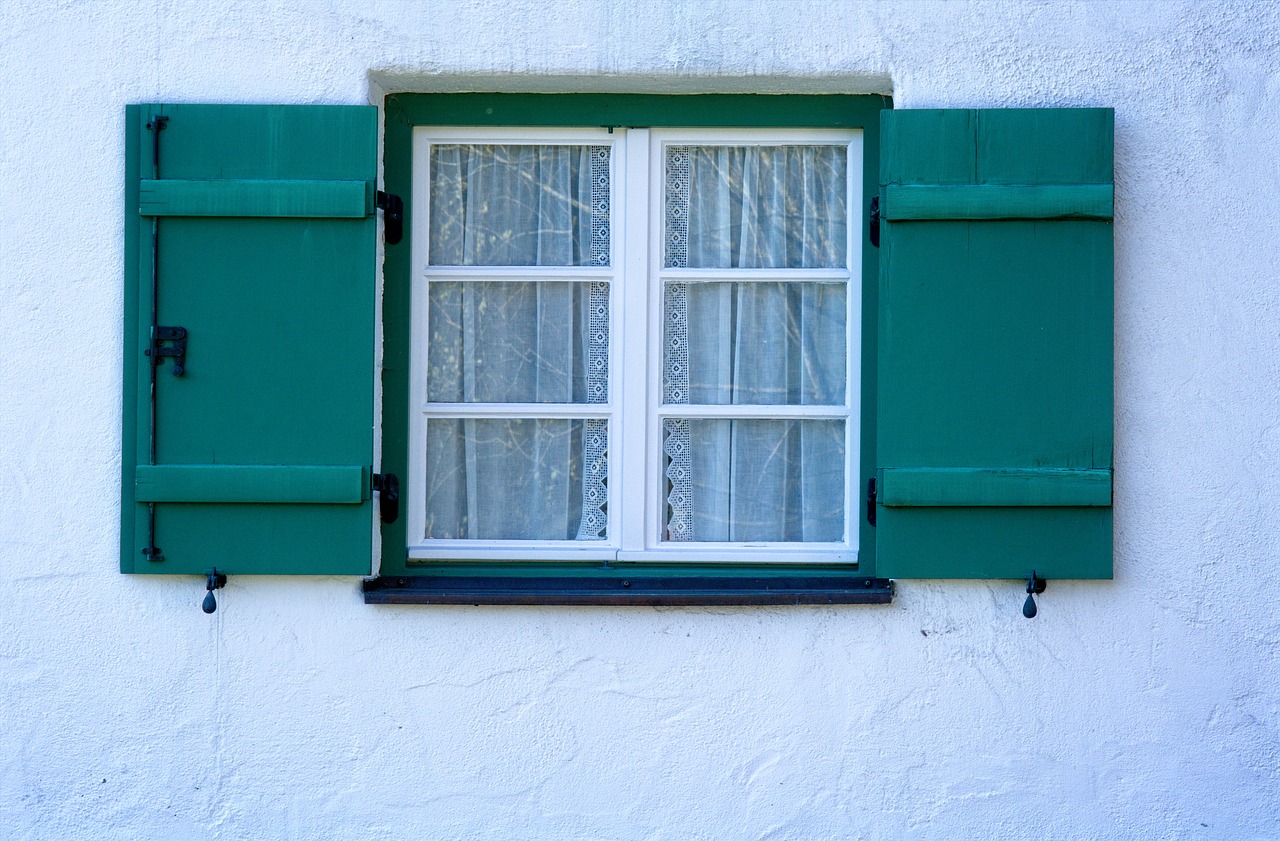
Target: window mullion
632,476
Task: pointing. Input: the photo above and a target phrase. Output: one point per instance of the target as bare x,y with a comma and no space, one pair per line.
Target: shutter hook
217,580
388,487
392,207
1035,584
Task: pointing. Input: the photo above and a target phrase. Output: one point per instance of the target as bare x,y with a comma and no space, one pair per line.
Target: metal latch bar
159,351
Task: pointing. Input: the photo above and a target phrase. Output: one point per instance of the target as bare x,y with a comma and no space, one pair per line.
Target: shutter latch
1035,584
216,581
388,487
178,350
392,208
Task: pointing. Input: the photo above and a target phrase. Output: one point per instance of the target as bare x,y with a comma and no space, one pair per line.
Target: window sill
629,586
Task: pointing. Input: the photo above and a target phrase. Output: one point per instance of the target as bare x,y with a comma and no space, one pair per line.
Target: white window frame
634,411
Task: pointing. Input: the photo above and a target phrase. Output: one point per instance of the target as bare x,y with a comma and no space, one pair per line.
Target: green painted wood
243,197
1009,543
1044,146
998,146
332,484
135,120
996,201
958,486
868,563
397,277
995,344
635,110
280,317
404,111
936,146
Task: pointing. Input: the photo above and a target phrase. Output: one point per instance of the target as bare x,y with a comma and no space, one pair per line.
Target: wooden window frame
731,580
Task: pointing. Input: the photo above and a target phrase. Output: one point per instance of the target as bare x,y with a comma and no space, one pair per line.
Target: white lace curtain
518,342
755,342
742,342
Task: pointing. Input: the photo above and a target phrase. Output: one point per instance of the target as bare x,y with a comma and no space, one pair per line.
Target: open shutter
994,451
264,227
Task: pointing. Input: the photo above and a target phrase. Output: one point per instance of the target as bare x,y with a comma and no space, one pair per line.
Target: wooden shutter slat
928,487
345,484
242,197
997,201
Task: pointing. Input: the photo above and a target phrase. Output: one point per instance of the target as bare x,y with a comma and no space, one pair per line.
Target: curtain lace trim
595,456
676,443
599,156
676,439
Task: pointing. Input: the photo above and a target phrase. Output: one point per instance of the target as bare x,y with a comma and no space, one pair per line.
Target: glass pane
524,342
754,343
754,480
510,205
755,207
516,479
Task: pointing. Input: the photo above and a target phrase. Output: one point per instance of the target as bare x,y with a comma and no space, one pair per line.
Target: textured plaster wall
1144,707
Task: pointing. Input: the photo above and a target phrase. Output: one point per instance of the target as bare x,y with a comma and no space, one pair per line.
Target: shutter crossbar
923,487
251,483
231,197
921,202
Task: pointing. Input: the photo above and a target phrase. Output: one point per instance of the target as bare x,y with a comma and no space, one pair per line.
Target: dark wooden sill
627,589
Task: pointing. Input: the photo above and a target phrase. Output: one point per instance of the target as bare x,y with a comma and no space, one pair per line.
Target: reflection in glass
753,207
516,479
518,342
754,480
754,343
519,205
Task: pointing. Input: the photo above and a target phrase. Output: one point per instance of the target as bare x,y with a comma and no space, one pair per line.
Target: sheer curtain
735,341
755,342
493,341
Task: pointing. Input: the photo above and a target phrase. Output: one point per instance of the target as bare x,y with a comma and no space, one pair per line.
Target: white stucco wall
1144,707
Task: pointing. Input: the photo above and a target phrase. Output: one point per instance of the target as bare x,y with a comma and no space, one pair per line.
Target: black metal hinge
159,351
871,500
392,208
875,221
388,487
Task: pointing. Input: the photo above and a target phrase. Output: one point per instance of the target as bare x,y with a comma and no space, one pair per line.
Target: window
669,366
635,344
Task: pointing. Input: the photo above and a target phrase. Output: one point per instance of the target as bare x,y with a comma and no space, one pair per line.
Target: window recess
634,546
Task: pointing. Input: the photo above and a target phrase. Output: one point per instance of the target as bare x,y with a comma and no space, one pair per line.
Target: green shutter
265,225
994,451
